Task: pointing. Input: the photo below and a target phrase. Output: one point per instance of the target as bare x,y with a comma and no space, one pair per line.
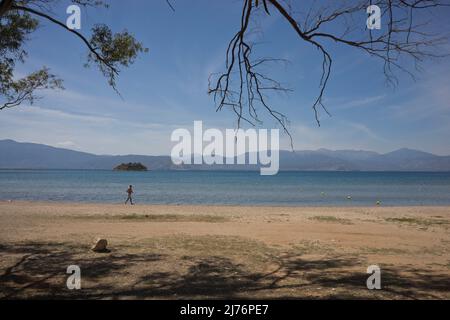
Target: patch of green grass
421,222
384,251
331,219
154,217
174,217
238,248
312,247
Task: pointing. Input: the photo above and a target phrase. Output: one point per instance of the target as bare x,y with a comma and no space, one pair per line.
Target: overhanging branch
79,35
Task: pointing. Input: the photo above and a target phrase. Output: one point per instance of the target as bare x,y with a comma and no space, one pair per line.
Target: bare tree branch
170,5
240,87
251,83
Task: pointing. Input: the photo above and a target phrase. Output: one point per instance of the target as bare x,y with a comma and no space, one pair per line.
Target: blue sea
229,187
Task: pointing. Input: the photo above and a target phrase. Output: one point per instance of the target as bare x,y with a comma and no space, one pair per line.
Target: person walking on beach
129,192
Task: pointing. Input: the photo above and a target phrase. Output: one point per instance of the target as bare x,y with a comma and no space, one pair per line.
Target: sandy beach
176,252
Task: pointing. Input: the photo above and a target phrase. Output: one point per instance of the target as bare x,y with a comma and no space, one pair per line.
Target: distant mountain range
16,155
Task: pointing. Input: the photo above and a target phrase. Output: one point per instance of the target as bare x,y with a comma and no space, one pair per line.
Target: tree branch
241,85
79,35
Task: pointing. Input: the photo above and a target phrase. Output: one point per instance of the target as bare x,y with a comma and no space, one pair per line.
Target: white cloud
356,103
66,144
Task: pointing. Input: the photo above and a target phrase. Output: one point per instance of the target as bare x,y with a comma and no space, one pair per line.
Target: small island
131,166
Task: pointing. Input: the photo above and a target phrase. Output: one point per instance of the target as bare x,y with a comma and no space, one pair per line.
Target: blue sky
167,87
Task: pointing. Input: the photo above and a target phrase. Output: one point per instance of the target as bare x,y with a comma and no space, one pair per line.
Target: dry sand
174,252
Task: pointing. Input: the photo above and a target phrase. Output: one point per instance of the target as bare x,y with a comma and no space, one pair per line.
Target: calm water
218,187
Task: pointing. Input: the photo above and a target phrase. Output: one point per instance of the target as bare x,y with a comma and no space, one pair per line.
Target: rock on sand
100,245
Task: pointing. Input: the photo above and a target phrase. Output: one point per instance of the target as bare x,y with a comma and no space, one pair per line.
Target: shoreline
81,203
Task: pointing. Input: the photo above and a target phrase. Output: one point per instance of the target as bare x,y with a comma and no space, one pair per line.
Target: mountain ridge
26,155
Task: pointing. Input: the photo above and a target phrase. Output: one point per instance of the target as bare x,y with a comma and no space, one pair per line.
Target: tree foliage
116,50
18,19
